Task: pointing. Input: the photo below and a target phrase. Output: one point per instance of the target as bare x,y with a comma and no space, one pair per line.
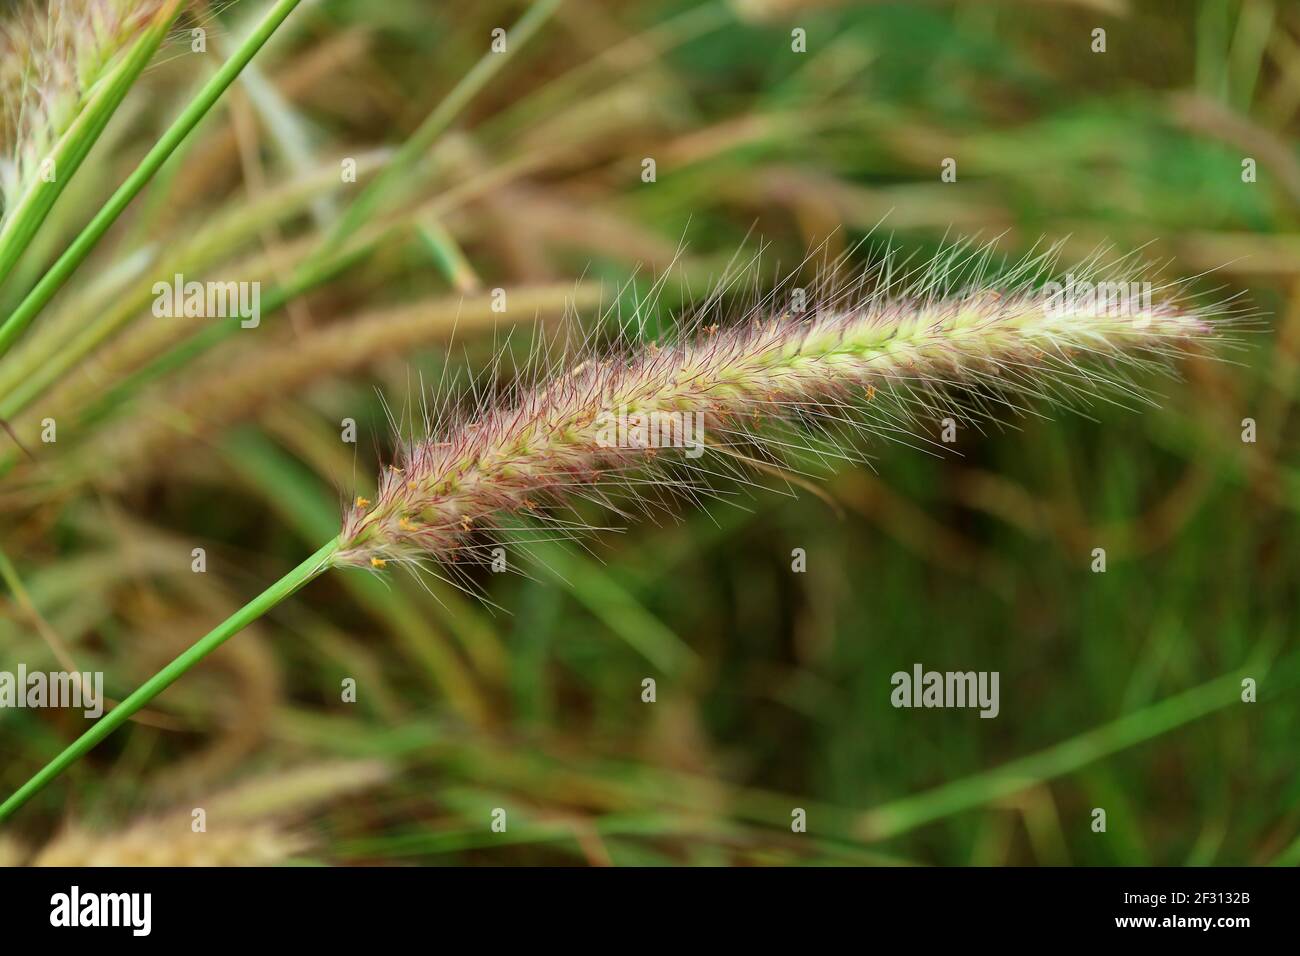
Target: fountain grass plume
780,388
797,374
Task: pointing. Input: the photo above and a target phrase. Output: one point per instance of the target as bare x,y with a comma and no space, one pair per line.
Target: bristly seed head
764,390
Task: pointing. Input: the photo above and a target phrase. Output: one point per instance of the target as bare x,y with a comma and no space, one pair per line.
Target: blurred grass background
1118,690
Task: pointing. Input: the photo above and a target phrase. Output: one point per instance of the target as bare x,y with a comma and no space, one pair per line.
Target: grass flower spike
878,365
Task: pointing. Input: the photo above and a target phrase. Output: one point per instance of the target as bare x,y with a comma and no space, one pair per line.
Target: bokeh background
1119,690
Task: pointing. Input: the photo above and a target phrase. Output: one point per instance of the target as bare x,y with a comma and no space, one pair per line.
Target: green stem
197,108
160,681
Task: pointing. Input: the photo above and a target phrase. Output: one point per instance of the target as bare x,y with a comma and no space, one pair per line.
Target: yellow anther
363,502
377,562
406,525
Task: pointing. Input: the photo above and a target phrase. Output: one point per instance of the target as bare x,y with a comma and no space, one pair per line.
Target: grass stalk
250,612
